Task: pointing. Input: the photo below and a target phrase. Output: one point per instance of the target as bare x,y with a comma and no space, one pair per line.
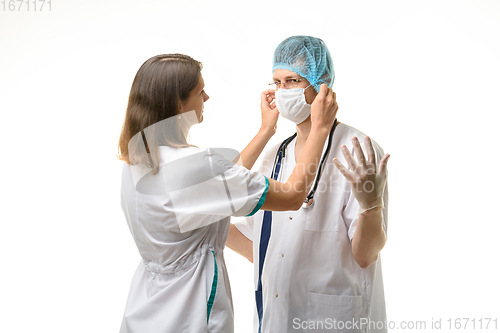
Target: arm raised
291,195
367,185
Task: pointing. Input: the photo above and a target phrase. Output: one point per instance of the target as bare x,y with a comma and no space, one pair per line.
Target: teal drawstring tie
214,289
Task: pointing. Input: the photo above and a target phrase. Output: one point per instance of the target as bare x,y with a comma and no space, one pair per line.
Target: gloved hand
367,184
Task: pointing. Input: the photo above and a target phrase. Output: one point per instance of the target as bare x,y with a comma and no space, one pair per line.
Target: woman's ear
180,108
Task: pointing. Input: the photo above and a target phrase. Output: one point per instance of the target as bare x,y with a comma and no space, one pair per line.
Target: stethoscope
265,232
280,156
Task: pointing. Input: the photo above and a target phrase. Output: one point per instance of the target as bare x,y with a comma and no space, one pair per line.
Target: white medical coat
179,219
310,277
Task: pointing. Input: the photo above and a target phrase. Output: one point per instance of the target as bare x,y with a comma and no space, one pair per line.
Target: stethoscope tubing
280,156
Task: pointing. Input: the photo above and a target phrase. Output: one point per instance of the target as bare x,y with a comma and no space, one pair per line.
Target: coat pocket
332,313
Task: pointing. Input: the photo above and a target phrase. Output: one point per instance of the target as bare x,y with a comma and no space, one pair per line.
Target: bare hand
324,108
269,111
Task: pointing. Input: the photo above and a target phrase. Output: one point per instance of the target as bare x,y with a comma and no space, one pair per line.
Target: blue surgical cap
307,56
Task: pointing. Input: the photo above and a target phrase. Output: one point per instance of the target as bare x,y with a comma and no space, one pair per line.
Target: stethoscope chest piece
307,203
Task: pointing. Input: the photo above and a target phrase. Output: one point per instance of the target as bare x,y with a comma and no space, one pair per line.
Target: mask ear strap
307,86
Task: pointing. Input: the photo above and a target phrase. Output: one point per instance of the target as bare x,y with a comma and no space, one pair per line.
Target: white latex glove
367,185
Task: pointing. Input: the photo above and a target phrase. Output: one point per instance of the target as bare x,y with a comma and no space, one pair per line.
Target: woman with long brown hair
178,198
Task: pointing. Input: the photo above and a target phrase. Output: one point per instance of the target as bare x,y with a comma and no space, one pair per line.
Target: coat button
282,255
276,295
291,217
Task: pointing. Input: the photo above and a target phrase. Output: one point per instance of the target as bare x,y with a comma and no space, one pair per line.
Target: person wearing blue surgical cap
177,198
318,268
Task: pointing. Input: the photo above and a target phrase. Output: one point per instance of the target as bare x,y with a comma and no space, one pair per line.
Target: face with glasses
284,79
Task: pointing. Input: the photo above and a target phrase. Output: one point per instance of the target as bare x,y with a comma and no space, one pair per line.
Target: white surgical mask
292,105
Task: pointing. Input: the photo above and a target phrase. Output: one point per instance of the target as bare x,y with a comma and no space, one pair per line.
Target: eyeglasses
288,84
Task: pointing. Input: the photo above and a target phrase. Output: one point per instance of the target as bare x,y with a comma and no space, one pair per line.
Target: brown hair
160,85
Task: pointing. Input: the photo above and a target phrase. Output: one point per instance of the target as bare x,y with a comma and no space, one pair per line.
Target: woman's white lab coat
179,219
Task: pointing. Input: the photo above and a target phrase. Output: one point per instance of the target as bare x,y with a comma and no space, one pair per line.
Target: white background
420,77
